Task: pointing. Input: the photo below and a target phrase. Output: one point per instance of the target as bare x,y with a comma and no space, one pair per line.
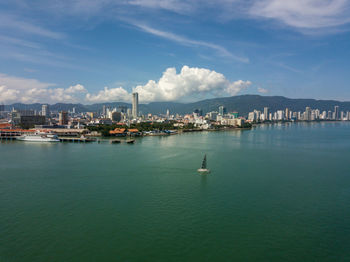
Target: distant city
120,120
308,115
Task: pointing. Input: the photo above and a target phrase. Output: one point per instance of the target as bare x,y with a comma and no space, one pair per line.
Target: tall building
221,110
104,111
45,111
2,108
135,105
336,113
266,113
307,114
287,114
63,118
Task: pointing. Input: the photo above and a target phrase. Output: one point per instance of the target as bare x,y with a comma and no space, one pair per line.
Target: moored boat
39,137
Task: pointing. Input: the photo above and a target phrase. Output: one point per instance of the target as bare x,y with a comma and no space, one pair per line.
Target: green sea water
275,193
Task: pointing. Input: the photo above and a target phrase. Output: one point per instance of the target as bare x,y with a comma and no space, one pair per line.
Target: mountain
242,104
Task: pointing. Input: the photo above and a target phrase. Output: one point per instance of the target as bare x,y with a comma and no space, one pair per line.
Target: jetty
76,139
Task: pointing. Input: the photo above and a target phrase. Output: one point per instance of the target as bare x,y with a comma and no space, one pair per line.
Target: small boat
204,169
130,141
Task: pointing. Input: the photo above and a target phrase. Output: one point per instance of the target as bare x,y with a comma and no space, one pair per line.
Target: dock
7,138
76,139
118,141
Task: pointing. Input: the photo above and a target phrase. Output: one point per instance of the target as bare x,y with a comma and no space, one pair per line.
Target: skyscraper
135,105
336,113
45,111
307,114
266,113
287,114
104,111
2,107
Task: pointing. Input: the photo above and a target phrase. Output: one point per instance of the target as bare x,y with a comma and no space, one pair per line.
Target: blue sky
170,50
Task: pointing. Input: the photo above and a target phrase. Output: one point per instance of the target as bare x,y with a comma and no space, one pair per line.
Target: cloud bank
24,90
189,83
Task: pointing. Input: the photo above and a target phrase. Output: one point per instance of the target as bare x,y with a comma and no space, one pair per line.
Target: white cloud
186,85
25,90
76,89
190,81
235,87
22,83
109,95
262,90
307,14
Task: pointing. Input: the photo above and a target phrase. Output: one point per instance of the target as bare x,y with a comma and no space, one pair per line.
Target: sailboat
204,169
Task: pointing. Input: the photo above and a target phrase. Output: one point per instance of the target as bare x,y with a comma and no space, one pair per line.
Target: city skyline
101,51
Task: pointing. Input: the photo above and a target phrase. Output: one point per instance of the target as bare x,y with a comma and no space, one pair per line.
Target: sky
95,51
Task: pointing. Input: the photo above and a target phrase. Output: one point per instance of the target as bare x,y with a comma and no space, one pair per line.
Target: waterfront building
329,115
317,114
307,114
266,113
63,118
287,117
135,105
31,121
252,116
336,113
280,115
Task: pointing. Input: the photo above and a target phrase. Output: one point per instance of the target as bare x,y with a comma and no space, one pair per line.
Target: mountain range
242,104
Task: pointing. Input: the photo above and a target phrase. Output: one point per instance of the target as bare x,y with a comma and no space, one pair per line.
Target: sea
278,192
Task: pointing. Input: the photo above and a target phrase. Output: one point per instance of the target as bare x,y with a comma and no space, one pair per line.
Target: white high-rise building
135,105
266,113
45,111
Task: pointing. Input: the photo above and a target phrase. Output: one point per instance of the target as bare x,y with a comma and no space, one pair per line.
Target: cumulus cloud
109,95
25,90
190,81
187,84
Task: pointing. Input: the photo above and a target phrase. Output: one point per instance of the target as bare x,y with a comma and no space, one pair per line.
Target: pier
118,141
76,139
